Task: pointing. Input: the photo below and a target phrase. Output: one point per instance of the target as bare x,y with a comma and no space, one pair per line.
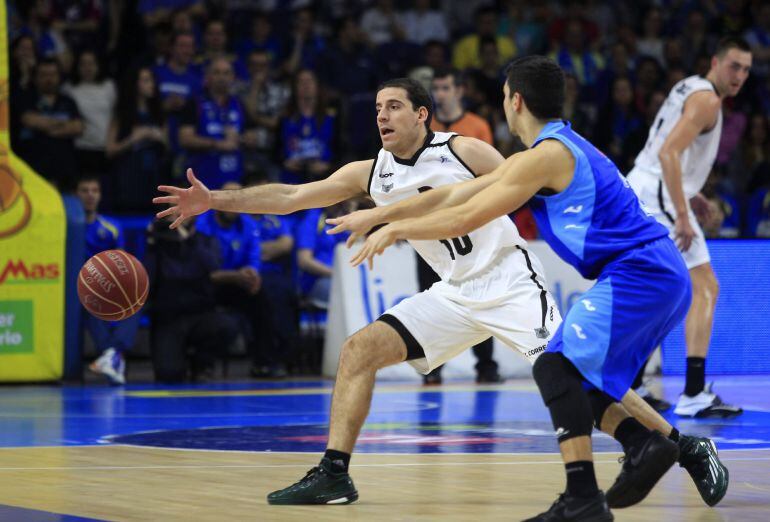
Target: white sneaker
112,365
705,404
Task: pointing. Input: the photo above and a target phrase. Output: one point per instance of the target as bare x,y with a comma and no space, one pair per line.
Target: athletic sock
581,480
339,459
696,376
630,433
674,435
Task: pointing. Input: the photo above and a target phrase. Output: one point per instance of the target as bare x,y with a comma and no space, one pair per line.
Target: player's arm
276,198
520,177
699,115
481,158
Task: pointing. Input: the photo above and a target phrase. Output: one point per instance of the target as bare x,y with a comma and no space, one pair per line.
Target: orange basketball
113,285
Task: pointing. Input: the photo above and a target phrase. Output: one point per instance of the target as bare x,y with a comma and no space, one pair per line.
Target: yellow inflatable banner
32,243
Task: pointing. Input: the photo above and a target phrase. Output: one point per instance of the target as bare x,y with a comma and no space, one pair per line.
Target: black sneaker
319,486
431,379
698,455
656,404
490,377
643,467
568,507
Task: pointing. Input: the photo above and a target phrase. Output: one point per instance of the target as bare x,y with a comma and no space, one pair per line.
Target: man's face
397,121
259,64
184,49
47,79
220,76
90,193
486,24
445,93
732,70
216,38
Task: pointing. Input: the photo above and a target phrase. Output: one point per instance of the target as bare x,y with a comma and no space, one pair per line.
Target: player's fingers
178,221
170,189
167,212
351,240
166,199
335,230
333,221
191,177
370,261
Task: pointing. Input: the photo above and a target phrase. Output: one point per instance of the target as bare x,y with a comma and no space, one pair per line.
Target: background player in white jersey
667,175
490,283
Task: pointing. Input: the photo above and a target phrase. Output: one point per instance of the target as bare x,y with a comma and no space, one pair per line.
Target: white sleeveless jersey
435,164
699,157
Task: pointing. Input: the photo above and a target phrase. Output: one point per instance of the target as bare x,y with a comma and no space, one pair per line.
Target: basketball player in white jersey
491,285
668,173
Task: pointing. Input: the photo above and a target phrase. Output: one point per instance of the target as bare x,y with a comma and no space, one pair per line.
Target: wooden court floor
139,484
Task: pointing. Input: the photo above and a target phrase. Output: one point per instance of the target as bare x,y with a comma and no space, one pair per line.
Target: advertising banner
32,242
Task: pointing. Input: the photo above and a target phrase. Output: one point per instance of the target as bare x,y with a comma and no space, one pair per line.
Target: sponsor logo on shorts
535,351
386,187
542,333
590,307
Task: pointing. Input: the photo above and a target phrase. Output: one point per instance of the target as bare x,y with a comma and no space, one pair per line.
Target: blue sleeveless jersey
597,217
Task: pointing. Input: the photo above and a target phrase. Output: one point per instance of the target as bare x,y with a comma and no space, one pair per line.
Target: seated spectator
450,116
137,141
577,112
651,41
210,128
111,338
758,37
617,120
304,47
307,132
421,24
435,55
80,22
381,23
181,263
49,42
179,81
489,77
524,23
262,39
347,66
215,46
315,254
50,123
264,100
21,81
95,97
278,295
576,58
759,213
466,51
648,80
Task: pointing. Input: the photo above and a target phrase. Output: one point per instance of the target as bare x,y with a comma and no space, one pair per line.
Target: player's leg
425,329
561,387
697,400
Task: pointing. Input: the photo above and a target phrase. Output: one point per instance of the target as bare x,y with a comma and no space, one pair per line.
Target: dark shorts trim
413,348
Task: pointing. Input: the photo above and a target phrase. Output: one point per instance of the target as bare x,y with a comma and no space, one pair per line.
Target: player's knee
600,402
355,357
548,372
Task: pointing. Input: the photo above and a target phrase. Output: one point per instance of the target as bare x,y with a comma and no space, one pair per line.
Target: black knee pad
548,372
600,401
561,387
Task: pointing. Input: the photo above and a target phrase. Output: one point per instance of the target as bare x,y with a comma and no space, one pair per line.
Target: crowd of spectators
247,91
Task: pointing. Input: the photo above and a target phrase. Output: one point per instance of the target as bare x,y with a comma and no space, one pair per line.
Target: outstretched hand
184,203
375,244
359,223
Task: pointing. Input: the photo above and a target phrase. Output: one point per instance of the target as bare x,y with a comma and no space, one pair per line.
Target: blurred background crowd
110,98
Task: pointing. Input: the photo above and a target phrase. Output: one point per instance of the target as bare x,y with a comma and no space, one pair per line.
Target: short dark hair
444,72
44,62
731,42
540,81
415,93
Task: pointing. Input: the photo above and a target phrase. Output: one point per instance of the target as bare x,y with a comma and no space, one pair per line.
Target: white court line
259,466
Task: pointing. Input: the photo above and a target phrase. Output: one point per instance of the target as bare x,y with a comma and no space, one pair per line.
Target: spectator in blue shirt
307,133
239,283
179,81
112,338
278,293
315,254
211,126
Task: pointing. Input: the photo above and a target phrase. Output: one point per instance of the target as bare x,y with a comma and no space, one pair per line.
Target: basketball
113,285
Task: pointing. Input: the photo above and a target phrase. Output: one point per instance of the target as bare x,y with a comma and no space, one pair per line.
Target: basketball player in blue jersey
590,216
491,285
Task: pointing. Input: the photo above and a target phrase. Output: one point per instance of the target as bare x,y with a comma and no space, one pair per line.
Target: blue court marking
17,514
293,415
